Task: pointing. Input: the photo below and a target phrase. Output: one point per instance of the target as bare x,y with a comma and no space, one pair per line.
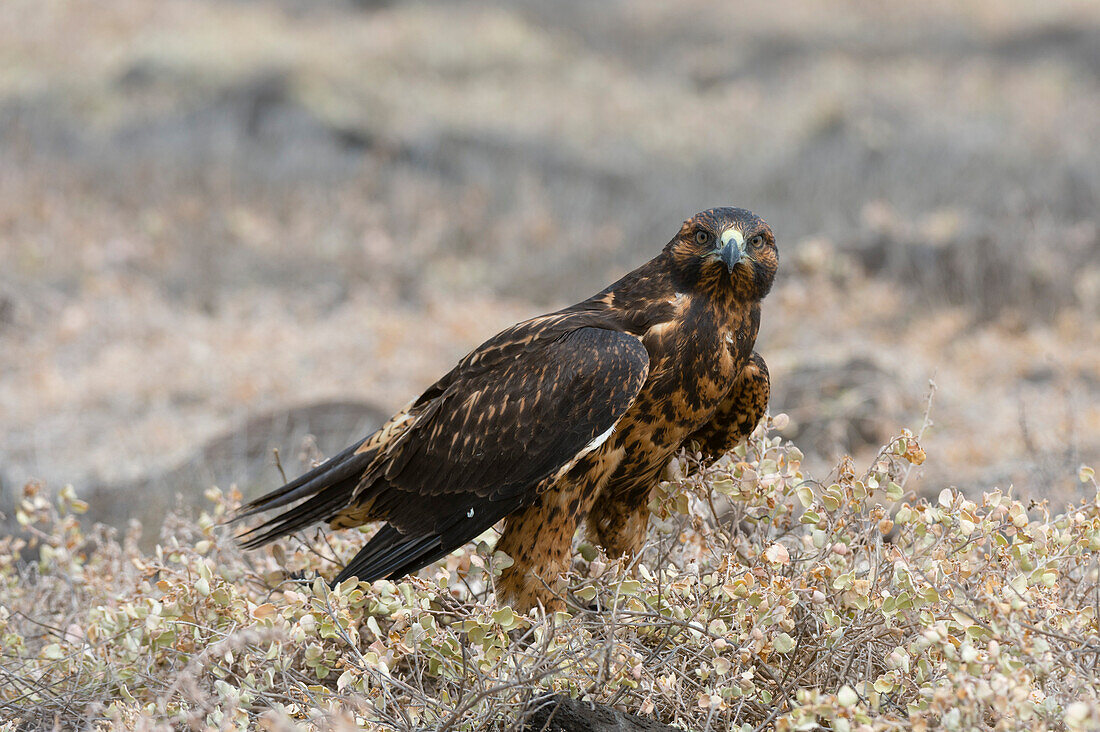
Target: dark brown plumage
565,417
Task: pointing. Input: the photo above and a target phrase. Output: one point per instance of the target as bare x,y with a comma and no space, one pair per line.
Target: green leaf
505,617
783,643
502,561
586,593
805,495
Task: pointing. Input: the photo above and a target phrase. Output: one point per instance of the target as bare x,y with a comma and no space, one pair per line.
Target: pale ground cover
764,599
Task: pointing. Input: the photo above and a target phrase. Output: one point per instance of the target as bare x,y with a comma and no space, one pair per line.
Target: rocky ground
216,211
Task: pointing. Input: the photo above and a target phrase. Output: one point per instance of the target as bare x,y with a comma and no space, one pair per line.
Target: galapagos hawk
565,418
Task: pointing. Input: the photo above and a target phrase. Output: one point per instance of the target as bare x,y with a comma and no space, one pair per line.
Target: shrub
763,599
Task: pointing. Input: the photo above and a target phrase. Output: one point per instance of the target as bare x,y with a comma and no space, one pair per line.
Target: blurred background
228,226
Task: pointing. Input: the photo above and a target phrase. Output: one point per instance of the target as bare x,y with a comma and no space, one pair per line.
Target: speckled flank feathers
567,417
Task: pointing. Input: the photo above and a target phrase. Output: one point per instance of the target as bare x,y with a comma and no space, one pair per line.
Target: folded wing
475,447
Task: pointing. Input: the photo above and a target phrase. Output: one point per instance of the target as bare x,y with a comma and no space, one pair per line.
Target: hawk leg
620,516
539,540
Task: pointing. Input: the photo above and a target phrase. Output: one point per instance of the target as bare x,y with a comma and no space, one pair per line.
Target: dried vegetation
765,599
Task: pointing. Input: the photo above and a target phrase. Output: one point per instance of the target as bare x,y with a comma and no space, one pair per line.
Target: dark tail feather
327,488
335,468
321,506
390,554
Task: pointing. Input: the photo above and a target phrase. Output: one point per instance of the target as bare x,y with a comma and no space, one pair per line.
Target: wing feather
474,447
517,423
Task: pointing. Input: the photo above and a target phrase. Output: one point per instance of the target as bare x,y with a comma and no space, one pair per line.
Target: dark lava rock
561,713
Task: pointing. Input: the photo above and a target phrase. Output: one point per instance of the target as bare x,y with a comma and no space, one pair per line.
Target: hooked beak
730,251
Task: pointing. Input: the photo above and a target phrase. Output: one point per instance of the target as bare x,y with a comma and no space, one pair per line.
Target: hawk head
726,248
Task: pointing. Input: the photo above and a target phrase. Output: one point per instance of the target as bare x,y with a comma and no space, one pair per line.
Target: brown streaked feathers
565,417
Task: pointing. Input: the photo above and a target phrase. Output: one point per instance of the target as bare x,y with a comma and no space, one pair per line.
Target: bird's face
727,248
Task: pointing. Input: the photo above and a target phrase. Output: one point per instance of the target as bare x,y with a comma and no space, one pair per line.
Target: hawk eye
702,237
756,242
